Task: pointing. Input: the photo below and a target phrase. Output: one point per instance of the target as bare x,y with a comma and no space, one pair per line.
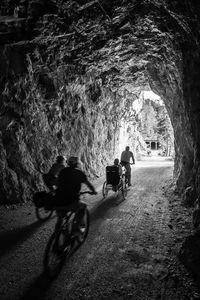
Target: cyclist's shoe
80,230
80,234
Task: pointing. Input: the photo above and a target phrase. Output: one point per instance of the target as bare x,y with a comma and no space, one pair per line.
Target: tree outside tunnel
155,125
147,127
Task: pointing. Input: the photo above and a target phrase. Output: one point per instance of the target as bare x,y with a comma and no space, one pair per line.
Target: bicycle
125,170
115,182
61,243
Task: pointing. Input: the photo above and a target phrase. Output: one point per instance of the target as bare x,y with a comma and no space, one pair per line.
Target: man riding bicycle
125,162
70,180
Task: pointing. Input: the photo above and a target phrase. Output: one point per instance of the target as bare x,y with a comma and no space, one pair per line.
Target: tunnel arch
97,68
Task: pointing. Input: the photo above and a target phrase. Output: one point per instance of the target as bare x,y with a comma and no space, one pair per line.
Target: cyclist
70,180
125,162
50,179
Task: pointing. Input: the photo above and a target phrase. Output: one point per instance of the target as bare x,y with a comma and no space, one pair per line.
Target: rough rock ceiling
124,50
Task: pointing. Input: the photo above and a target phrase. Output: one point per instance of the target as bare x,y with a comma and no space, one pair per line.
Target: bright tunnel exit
147,129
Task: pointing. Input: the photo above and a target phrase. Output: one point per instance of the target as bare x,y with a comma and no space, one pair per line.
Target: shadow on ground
37,288
41,284
12,238
104,205
189,254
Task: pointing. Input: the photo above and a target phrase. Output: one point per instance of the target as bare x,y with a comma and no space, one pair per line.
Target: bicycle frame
124,173
65,240
71,213
69,222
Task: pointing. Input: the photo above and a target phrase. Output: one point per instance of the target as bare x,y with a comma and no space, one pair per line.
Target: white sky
151,95
138,103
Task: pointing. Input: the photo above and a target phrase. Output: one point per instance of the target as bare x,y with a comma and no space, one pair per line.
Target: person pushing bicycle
70,181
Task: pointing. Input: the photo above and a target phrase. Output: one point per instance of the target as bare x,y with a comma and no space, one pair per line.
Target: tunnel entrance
147,127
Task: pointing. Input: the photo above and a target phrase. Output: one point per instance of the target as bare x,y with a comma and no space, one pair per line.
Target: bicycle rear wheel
57,250
43,214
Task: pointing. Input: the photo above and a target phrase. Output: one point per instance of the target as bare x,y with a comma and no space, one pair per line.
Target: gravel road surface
125,255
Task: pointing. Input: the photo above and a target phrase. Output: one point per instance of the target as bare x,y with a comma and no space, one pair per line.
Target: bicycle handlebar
87,192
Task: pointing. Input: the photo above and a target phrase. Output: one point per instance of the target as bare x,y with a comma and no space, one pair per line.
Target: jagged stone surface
66,91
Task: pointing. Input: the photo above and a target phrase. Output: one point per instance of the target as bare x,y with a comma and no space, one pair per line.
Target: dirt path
125,256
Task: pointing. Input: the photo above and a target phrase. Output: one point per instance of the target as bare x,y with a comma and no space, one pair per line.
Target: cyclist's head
60,159
73,161
127,148
116,161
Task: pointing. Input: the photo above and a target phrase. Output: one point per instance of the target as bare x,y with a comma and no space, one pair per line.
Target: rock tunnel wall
42,118
65,91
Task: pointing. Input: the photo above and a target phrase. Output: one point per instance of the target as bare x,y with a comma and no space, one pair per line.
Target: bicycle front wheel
124,189
105,189
57,250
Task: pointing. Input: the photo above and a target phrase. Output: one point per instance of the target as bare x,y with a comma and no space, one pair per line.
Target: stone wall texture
65,88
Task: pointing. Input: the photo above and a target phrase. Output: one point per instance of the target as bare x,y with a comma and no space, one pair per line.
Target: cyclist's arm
133,159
